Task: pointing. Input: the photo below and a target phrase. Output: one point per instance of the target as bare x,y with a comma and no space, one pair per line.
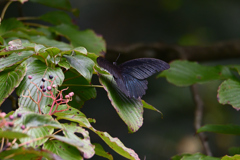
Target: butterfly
131,76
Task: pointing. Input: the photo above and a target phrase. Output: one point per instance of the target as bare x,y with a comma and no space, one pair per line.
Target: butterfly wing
134,73
130,76
115,71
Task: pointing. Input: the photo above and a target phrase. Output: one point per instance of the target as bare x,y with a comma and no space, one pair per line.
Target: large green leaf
57,17
10,24
224,129
38,126
28,153
12,134
129,109
185,73
236,157
197,156
14,58
87,38
72,114
116,145
64,150
82,64
228,93
83,91
9,80
36,120
50,42
70,131
35,133
37,70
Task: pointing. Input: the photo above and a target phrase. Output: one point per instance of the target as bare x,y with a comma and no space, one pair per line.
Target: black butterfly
131,75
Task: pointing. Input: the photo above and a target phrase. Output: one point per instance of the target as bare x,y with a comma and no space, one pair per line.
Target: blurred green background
180,22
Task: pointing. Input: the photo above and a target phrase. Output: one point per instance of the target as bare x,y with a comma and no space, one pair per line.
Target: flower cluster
52,92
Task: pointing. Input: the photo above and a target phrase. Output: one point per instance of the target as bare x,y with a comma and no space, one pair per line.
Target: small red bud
67,96
11,117
23,127
49,88
30,77
71,94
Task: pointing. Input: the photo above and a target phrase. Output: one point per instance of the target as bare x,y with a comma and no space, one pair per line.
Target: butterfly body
131,76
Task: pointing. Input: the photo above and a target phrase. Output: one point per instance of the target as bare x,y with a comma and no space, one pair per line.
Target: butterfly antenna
117,57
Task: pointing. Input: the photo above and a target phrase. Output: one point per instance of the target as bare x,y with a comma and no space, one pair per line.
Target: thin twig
198,119
79,85
5,9
2,144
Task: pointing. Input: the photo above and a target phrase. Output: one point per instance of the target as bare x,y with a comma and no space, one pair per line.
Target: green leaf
63,63
18,34
224,129
83,91
14,58
73,115
12,134
116,145
60,4
9,80
82,64
7,25
129,109
83,144
87,38
148,106
184,73
64,150
36,120
1,41
28,153
50,42
80,50
37,70
228,93
236,157
101,152
56,18
234,150
198,156
52,51
35,133
72,142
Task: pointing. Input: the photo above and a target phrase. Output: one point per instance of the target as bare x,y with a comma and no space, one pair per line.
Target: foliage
53,80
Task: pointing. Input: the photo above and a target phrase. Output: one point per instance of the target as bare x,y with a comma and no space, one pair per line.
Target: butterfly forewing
142,68
113,69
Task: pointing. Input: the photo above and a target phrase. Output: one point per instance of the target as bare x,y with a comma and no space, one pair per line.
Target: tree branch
169,52
198,119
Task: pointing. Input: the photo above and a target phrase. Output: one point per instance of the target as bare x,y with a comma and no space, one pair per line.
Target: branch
169,52
198,119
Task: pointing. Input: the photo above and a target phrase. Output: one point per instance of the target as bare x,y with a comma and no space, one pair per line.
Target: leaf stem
27,18
5,9
79,85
